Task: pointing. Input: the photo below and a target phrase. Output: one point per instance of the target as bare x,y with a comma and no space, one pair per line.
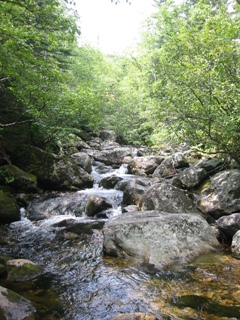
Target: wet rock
212,165
84,227
133,193
158,239
95,205
170,165
144,165
83,160
9,209
130,208
135,316
168,198
14,306
109,182
18,179
229,225
235,247
192,177
114,156
22,270
67,204
207,305
221,196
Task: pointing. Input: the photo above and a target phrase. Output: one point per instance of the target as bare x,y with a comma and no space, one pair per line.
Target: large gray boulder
192,177
83,160
221,196
14,306
168,198
144,165
52,171
133,193
158,239
171,165
212,165
114,156
229,225
235,247
108,135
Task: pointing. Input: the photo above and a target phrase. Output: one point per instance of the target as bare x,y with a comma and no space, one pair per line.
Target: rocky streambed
153,237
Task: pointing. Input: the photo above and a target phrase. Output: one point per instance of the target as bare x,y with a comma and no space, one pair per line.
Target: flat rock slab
158,239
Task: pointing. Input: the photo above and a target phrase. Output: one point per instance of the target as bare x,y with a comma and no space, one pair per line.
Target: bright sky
109,27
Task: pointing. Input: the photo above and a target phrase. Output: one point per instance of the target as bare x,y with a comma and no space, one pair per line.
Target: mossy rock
53,172
22,270
206,184
34,160
14,306
18,179
9,209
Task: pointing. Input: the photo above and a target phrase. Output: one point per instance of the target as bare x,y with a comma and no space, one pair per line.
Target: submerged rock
135,316
206,305
158,239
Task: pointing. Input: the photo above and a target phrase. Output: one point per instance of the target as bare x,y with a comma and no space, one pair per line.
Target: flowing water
80,284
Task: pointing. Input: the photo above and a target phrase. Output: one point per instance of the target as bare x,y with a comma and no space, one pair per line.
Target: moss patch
19,270
9,209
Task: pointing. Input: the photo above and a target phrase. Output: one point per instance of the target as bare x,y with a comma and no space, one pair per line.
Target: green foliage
48,85
193,73
125,99
183,85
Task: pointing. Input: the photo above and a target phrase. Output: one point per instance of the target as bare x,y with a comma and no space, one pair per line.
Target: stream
79,283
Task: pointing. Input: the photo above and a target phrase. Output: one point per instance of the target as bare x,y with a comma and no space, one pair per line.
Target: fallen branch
14,123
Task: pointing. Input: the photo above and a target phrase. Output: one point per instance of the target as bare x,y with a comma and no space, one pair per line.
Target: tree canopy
183,82
193,64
